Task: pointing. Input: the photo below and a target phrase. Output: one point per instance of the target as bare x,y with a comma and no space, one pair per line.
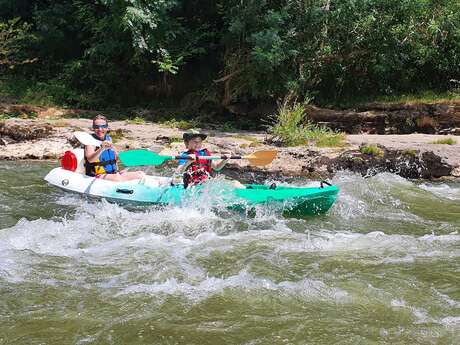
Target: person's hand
107,145
192,156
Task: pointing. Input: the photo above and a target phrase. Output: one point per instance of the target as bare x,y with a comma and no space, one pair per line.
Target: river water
382,267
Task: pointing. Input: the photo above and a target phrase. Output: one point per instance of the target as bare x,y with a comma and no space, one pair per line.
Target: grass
428,96
424,96
20,115
175,139
59,123
446,141
372,150
228,127
290,127
253,142
409,152
4,116
116,135
331,140
138,120
180,124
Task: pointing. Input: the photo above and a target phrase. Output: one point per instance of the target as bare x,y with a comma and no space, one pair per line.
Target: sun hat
193,134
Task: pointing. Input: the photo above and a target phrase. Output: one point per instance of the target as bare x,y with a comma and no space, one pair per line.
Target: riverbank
410,155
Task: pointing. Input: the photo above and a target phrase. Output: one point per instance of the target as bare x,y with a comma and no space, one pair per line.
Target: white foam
442,190
375,243
306,288
451,321
420,314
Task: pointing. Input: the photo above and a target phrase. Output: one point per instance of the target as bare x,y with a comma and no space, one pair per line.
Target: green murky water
382,267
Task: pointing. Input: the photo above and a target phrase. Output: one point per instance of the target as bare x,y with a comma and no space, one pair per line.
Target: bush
291,128
372,150
409,152
181,124
447,141
138,120
116,135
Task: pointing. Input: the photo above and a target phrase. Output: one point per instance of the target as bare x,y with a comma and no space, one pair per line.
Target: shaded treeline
138,52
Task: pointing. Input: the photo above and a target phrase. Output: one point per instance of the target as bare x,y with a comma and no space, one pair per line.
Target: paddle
87,139
144,157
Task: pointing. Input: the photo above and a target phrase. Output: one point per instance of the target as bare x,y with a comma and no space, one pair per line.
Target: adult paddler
101,162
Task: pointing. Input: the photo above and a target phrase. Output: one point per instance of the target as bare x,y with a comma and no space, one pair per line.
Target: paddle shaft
210,158
144,157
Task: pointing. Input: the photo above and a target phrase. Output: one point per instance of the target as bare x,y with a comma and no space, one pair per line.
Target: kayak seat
272,186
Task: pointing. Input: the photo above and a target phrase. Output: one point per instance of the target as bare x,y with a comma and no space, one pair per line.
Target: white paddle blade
87,139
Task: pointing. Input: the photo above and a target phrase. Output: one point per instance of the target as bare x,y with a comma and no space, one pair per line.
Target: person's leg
132,175
126,176
112,177
238,184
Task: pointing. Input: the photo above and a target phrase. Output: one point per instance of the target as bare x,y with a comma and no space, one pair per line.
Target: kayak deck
296,201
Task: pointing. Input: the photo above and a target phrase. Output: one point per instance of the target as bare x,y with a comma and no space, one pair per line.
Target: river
382,267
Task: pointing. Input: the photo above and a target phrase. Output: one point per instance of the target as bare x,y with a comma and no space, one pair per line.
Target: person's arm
92,155
218,166
115,151
184,164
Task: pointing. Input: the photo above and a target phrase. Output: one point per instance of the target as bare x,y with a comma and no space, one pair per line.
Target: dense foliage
124,52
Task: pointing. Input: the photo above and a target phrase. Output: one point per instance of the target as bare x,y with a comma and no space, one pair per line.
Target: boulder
24,130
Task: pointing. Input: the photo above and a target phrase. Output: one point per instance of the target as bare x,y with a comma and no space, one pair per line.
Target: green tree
14,40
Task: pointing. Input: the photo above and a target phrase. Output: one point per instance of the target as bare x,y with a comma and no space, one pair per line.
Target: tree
14,38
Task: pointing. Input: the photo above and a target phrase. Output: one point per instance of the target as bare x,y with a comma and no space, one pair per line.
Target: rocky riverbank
410,155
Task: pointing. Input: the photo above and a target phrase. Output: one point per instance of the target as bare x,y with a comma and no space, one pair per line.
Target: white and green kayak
297,202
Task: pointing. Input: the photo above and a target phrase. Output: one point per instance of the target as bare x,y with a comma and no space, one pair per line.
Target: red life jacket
199,170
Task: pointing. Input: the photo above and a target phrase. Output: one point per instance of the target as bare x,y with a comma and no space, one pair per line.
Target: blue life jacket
106,164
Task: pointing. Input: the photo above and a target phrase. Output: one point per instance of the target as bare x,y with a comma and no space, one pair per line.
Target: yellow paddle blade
261,158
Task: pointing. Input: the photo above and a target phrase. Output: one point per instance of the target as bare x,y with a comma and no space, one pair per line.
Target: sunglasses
100,126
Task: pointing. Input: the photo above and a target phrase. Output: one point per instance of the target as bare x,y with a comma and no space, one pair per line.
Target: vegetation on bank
446,141
291,127
372,150
202,56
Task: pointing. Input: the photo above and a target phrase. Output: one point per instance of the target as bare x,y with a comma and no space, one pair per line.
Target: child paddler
101,162
196,170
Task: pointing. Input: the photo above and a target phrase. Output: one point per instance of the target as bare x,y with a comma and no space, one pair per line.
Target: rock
456,172
433,166
6,140
408,164
25,130
443,118
74,142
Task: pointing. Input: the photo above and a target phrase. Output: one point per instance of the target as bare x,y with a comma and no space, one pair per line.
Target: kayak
158,190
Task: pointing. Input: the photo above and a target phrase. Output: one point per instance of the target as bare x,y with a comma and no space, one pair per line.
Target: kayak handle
125,191
322,183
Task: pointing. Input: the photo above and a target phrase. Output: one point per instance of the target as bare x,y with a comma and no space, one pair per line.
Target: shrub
138,120
181,124
116,135
372,150
291,128
447,141
409,152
